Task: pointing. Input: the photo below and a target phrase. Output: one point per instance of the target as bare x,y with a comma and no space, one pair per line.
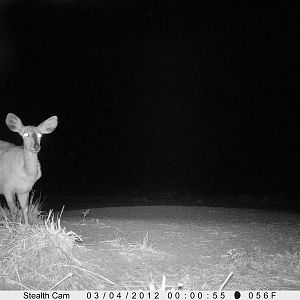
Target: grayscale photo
149,146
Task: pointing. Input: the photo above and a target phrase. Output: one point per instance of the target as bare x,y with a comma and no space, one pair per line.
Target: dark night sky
191,95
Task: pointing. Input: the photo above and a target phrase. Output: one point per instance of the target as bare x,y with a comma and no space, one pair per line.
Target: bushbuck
19,165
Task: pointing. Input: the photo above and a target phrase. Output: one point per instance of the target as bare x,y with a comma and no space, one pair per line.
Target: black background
195,97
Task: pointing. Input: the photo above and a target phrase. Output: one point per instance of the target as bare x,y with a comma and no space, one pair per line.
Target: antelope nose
36,147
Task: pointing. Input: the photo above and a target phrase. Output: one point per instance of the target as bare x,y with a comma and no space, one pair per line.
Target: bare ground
194,247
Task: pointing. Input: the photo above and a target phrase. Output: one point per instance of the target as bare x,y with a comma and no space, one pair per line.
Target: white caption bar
151,295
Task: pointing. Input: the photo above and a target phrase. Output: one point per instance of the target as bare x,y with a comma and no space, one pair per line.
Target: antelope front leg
11,202
23,200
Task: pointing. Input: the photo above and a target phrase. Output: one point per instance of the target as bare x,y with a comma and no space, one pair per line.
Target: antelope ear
48,126
13,122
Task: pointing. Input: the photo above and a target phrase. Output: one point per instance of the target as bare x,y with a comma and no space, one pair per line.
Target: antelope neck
31,161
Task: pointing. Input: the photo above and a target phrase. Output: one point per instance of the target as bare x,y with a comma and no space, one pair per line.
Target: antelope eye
26,134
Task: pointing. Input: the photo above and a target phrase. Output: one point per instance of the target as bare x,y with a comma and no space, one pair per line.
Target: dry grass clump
144,248
42,256
35,213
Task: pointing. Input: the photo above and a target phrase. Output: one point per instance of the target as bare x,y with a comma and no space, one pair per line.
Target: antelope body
19,165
